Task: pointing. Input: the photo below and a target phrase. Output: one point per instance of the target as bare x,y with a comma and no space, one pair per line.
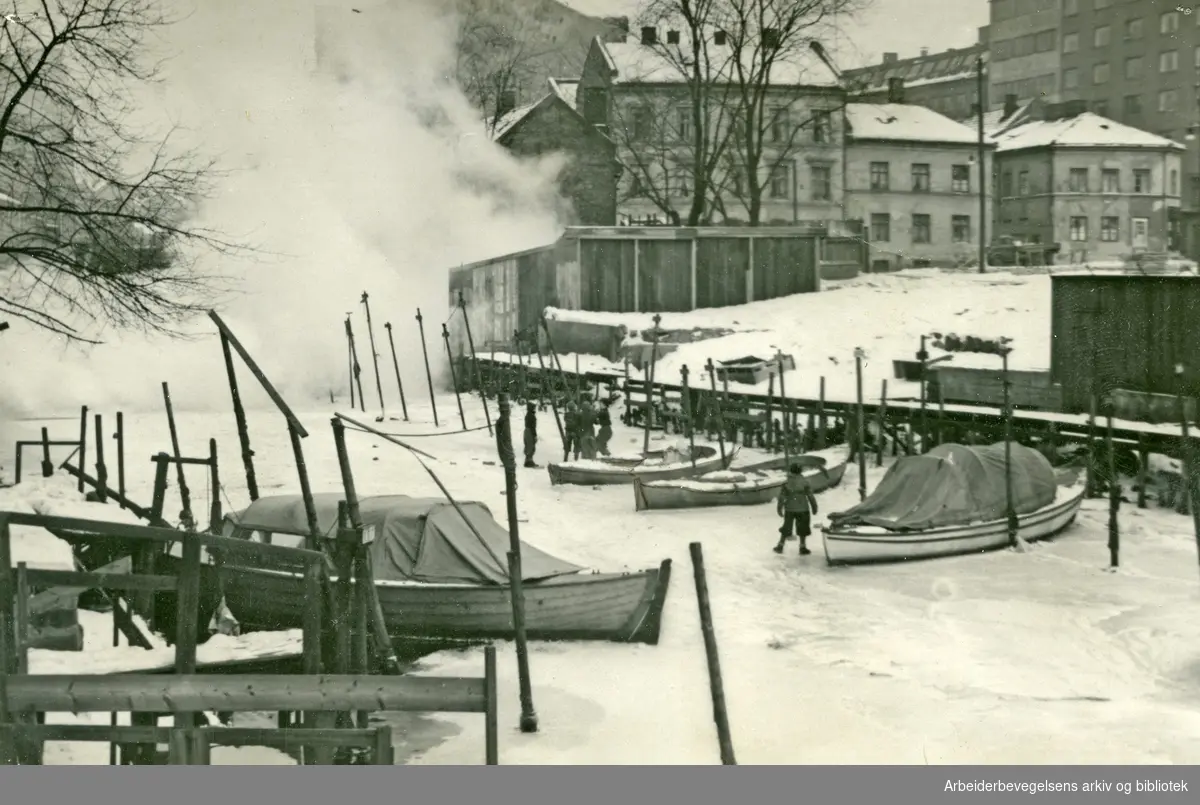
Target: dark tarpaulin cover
416,539
954,484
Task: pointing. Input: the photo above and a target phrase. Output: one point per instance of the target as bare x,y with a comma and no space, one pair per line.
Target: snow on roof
565,88
1086,130
638,63
933,68
603,8
510,119
908,122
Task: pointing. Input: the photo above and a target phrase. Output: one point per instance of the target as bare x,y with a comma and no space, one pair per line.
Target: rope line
415,435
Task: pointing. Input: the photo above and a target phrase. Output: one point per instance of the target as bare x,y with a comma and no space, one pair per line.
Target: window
1100,73
1077,180
1006,184
1174,183
822,126
1141,181
960,228
1133,67
1110,229
780,185
881,227
920,177
1132,105
1078,228
1101,37
1023,183
1168,61
1070,78
880,180
960,178
779,130
1167,100
921,227
1070,43
1110,180
1134,28
821,178
683,122
1070,7
1045,41
643,123
1168,23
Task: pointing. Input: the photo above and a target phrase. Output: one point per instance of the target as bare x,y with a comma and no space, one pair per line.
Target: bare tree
771,72
94,212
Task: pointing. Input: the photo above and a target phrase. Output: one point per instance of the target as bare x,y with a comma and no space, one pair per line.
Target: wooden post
428,374
491,725
381,752
214,506
7,635
1143,470
83,424
374,357
462,306
625,389
768,440
454,376
120,437
306,493
941,411
716,685
880,419
1091,451
364,591
822,422
21,617
185,499
187,615
239,414
712,381
861,448
923,357
355,366
687,412
101,468
1009,509
47,464
529,719
396,367
783,412
1114,490
553,402
350,364
650,387
314,592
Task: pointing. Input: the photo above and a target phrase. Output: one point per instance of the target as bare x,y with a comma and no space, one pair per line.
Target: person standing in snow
796,505
570,431
604,420
587,430
530,433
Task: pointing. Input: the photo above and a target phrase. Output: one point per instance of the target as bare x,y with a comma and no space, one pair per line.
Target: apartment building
1024,39
946,82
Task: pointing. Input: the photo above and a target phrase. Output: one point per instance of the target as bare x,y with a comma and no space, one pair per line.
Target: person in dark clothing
570,431
530,433
796,505
586,436
605,432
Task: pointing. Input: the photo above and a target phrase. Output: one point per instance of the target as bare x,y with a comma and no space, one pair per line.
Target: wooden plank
95,733
258,373
246,693
79,582
293,738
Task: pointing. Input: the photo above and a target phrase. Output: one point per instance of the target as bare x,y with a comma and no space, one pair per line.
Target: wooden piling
314,595
861,447
1114,491
185,498
462,307
310,507
687,412
428,373
120,437
1009,509
712,380
923,357
7,637
214,505
350,364
47,464
355,366
1090,486
822,422
784,412
387,325
768,438
1143,470
374,357
716,685
529,719
881,418
562,435
454,376
21,618
187,613
239,414
83,426
649,415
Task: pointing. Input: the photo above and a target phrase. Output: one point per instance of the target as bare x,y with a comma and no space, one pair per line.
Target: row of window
779,186
1079,181
1168,21
921,228
1026,88
644,125
922,176
1110,228
1168,62
1027,45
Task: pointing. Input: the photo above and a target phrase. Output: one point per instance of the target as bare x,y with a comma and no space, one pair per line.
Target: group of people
587,429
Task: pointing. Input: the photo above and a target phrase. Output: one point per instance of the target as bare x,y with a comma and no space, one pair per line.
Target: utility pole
981,91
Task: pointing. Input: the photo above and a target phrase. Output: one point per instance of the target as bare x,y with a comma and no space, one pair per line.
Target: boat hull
625,473
697,494
851,546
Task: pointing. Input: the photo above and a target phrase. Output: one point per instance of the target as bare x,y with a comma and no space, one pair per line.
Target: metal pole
374,357
396,366
355,366
454,376
462,306
862,449
1009,510
529,719
428,374
981,91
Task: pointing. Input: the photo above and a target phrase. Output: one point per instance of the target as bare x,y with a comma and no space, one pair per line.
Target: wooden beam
258,374
99,581
148,693
138,510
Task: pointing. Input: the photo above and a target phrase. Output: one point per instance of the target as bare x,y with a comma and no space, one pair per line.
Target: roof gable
1086,130
509,124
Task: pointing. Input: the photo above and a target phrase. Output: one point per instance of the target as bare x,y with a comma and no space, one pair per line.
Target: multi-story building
644,101
1097,188
1025,55
946,82
913,177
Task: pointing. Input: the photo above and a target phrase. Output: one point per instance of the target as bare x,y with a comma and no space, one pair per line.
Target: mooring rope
415,435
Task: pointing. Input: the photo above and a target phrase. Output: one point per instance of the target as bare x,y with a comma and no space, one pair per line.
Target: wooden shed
1127,334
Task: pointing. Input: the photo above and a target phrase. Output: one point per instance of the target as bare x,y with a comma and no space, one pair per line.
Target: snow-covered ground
1035,657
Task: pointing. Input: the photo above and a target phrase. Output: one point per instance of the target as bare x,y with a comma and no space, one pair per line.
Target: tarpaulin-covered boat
657,465
950,501
438,577
740,486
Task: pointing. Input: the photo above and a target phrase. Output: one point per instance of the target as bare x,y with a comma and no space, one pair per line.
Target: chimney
984,34
649,35
895,91
770,38
891,58
672,37
719,38
1010,105
924,51
506,101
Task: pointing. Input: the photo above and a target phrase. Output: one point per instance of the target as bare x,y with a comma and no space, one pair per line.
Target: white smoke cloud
378,183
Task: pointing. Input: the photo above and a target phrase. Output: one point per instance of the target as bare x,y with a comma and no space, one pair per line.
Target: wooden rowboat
872,544
613,470
744,486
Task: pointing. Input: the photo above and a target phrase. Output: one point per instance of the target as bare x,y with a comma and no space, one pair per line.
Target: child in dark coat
796,505
530,433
